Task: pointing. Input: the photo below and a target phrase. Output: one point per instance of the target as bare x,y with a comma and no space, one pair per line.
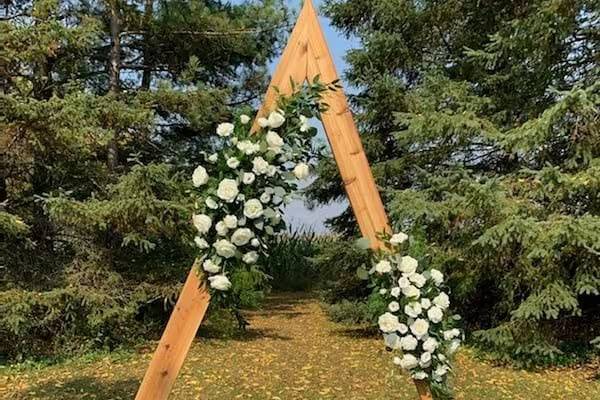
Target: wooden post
305,56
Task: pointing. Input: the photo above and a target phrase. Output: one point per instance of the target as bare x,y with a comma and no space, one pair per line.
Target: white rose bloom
248,178
430,345
274,141
265,198
271,170
263,122
419,328
209,266
454,344
259,165
442,300
413,309
408,362
435,314
213,158
436,276
419,375
397,360
230,221
227,190
202,222
221,228
418,279
408,265
391,341
383,291
241,197
425,360
398,238
395,292
225,129
388,323
275,119
304,126
250,257
241,236
224,248
440,371
253,208
211,203
425,303
200,176
393,306
383,267
244,119
301,171
201,242
411,291
234,140
408,343
233,162
402,328
255,242
403,282
219,282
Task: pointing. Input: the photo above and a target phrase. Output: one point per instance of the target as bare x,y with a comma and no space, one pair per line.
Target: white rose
304,126
225,129
247,147
265,197
201,243
224,248
403,282
454,344
395,291
408,343
275,119
219,282
436,276
213,158
199,177
430,345
259,165
253,208
419,375
227,190
435,314
393,306
442,300
413,309
301,171
230,221
244,119
398,238
418,279
439,372
408,265
274,141
383,267
248,178
411,291
209,266
391,341
211,203
419,328
250,257
388,322
383,291
202,222
425,360
221,228
263,122
402,328
241,236
255,242
233,162
451,334
408,361
271,170
425,303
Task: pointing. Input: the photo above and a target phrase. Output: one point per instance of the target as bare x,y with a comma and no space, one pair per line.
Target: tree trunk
114,72
147,74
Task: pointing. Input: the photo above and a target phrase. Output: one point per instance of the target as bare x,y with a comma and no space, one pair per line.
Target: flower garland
417,323
243,185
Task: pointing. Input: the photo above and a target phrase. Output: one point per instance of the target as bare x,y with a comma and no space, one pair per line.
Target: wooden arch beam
305,56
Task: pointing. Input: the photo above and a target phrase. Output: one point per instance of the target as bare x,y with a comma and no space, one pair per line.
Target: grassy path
291,352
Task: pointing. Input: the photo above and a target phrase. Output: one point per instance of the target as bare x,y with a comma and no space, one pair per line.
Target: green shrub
357,311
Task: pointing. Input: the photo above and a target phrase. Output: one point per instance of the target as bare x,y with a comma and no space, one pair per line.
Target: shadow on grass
86,387
360,332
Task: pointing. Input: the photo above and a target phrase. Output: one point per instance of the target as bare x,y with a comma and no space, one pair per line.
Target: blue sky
296,214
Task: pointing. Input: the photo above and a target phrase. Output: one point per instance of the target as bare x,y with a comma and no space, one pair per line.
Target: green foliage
357,311
491,156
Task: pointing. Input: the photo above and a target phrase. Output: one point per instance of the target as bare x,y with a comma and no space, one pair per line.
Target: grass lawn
291,352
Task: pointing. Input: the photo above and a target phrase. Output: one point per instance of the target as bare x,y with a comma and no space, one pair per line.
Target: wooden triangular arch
305,56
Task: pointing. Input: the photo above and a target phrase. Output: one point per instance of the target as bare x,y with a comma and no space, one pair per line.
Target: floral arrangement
242,186
417,324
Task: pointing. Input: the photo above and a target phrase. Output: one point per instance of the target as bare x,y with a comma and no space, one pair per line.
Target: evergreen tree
491,155
105,108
